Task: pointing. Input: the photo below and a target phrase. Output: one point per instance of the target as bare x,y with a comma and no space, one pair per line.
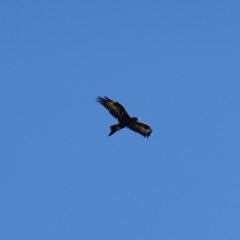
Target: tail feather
114,128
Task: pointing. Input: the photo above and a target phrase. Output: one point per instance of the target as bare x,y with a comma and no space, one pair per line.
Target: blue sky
174,64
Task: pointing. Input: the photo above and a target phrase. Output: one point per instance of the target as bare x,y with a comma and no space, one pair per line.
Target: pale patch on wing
141,128
114,108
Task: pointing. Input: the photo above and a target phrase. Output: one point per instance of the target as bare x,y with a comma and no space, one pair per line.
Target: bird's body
124,120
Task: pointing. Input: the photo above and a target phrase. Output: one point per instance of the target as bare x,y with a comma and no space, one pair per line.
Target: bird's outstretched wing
141,128
114,108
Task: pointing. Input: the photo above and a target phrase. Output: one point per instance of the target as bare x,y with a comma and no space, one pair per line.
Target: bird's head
135,119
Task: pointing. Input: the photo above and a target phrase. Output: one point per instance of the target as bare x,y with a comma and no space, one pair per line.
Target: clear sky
174,64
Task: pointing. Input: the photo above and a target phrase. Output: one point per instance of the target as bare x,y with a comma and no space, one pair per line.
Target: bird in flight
124,120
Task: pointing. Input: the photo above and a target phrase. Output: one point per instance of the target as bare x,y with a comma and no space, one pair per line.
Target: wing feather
141,128
114,108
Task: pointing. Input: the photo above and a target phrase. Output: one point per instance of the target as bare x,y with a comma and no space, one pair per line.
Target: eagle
124,120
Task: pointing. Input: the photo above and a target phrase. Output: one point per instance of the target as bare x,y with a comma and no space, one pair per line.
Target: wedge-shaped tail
114,128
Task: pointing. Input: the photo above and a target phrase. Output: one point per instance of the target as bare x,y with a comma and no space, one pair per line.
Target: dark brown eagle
124,120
